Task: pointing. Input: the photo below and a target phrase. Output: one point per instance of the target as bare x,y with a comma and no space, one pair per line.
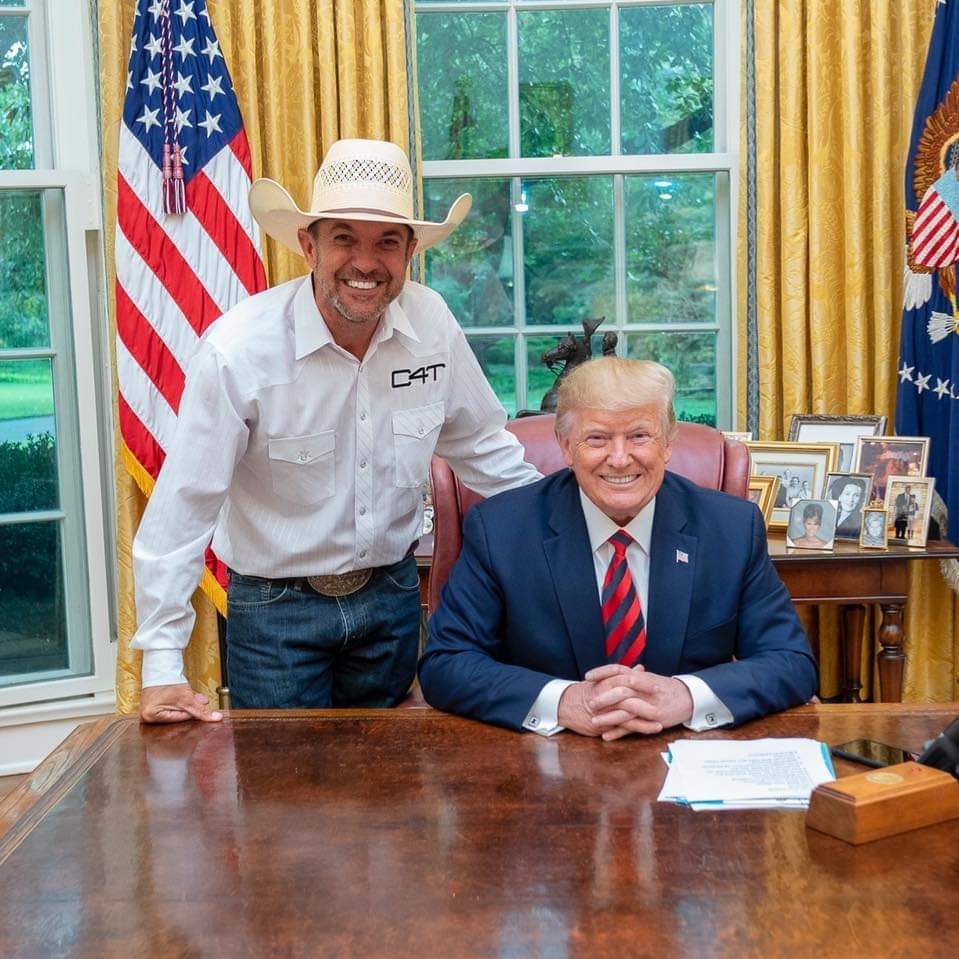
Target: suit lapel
574,579
671,572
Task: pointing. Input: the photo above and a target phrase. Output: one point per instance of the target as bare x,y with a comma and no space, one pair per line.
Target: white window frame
724,160
66,149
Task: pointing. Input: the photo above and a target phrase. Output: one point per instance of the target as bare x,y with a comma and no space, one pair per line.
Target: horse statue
569,352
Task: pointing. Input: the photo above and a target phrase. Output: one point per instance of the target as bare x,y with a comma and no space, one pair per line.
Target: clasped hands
614,701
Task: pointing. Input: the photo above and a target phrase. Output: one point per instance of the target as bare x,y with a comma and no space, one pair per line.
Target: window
54,622
595,137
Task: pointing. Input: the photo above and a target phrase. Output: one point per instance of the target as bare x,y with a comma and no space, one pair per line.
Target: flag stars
905,373
942,388
185,47
129,80
922,383
185,12
182,119
152,81
154,46
213,86
183,84
155,9
212,49
211,124
149,118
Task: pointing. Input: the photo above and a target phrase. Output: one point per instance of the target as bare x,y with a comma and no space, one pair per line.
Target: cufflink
711,719
532,722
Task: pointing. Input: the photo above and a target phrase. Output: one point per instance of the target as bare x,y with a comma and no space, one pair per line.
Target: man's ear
308,246
566,448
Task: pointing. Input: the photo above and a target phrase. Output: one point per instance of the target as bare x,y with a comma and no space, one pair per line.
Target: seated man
614,597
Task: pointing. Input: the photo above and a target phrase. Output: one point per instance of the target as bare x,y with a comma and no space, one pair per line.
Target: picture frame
844,429
812,524
908,508
801,469
885,456
742,436
850,494
762,491
873,534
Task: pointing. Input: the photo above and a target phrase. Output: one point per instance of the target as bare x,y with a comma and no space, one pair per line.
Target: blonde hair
614,383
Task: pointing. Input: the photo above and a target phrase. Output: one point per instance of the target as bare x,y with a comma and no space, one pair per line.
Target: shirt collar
311,332
600,527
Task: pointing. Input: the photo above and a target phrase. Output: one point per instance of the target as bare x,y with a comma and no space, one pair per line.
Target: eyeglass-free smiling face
619,457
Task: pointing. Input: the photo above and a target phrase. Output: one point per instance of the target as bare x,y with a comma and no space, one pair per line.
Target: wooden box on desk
883,802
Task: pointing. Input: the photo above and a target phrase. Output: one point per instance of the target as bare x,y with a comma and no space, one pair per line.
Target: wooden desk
850,577
408,833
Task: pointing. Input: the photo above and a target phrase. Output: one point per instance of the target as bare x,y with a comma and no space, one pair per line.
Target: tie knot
620,540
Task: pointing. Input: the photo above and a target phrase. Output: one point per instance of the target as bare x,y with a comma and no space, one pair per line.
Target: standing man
304,437
614,597
901,513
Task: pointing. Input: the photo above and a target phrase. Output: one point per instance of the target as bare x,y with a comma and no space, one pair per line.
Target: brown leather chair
700,453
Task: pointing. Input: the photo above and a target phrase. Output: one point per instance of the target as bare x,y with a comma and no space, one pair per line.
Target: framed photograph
842,429
908,507
849,493
801,469
873,528
762,491
743,437
812,524
885,456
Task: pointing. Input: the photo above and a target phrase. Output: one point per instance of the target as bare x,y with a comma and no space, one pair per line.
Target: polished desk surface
411,833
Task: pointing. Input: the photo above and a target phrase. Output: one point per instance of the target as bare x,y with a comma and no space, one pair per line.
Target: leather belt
338,584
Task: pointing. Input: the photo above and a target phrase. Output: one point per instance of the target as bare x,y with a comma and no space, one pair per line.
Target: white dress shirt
708,709
298,459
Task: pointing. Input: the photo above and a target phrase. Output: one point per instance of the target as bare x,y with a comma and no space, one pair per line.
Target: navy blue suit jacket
521,605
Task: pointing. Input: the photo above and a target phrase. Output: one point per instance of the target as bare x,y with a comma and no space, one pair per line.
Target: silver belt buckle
342,584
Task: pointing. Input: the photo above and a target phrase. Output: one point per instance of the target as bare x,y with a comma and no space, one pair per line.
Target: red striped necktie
622,611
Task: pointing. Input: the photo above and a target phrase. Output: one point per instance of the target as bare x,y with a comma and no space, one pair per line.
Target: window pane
671,272
496,357
691,357
461,61
16,114
568,250
33,634
23,289
28,464
564,83
666,82
473,269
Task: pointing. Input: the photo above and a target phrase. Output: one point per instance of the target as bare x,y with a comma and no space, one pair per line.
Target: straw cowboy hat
359,180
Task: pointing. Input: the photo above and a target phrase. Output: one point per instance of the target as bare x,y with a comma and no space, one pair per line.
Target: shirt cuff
709,711
162,667
543,715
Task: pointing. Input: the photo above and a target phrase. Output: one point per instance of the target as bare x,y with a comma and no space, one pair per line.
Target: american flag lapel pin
682,557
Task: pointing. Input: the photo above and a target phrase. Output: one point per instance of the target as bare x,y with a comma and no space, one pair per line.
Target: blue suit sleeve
774,667
462,670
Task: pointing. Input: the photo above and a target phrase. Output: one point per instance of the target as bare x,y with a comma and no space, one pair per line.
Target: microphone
943,751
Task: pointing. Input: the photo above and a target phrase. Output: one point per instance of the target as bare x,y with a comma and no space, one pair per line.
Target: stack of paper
745,773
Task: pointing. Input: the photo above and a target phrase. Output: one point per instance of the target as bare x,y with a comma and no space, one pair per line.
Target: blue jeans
295,649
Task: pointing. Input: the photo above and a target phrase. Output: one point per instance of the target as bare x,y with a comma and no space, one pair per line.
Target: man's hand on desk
615,701
175,704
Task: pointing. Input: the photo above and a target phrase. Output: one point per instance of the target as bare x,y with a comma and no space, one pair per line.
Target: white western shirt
708,710
298,459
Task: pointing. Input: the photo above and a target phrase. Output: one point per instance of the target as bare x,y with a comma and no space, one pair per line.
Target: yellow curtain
306,73
835,88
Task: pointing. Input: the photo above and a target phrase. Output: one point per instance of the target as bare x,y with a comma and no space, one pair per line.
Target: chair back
700,453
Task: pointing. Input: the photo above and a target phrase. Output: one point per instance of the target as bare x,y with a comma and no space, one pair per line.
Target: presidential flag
187,248
927,402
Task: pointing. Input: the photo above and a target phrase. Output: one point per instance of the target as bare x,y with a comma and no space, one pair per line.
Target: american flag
187,248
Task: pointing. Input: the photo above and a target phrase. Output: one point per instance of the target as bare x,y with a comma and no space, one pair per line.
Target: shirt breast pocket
303,468
415,433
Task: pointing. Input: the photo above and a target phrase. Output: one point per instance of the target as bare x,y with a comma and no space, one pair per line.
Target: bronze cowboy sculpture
569,353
